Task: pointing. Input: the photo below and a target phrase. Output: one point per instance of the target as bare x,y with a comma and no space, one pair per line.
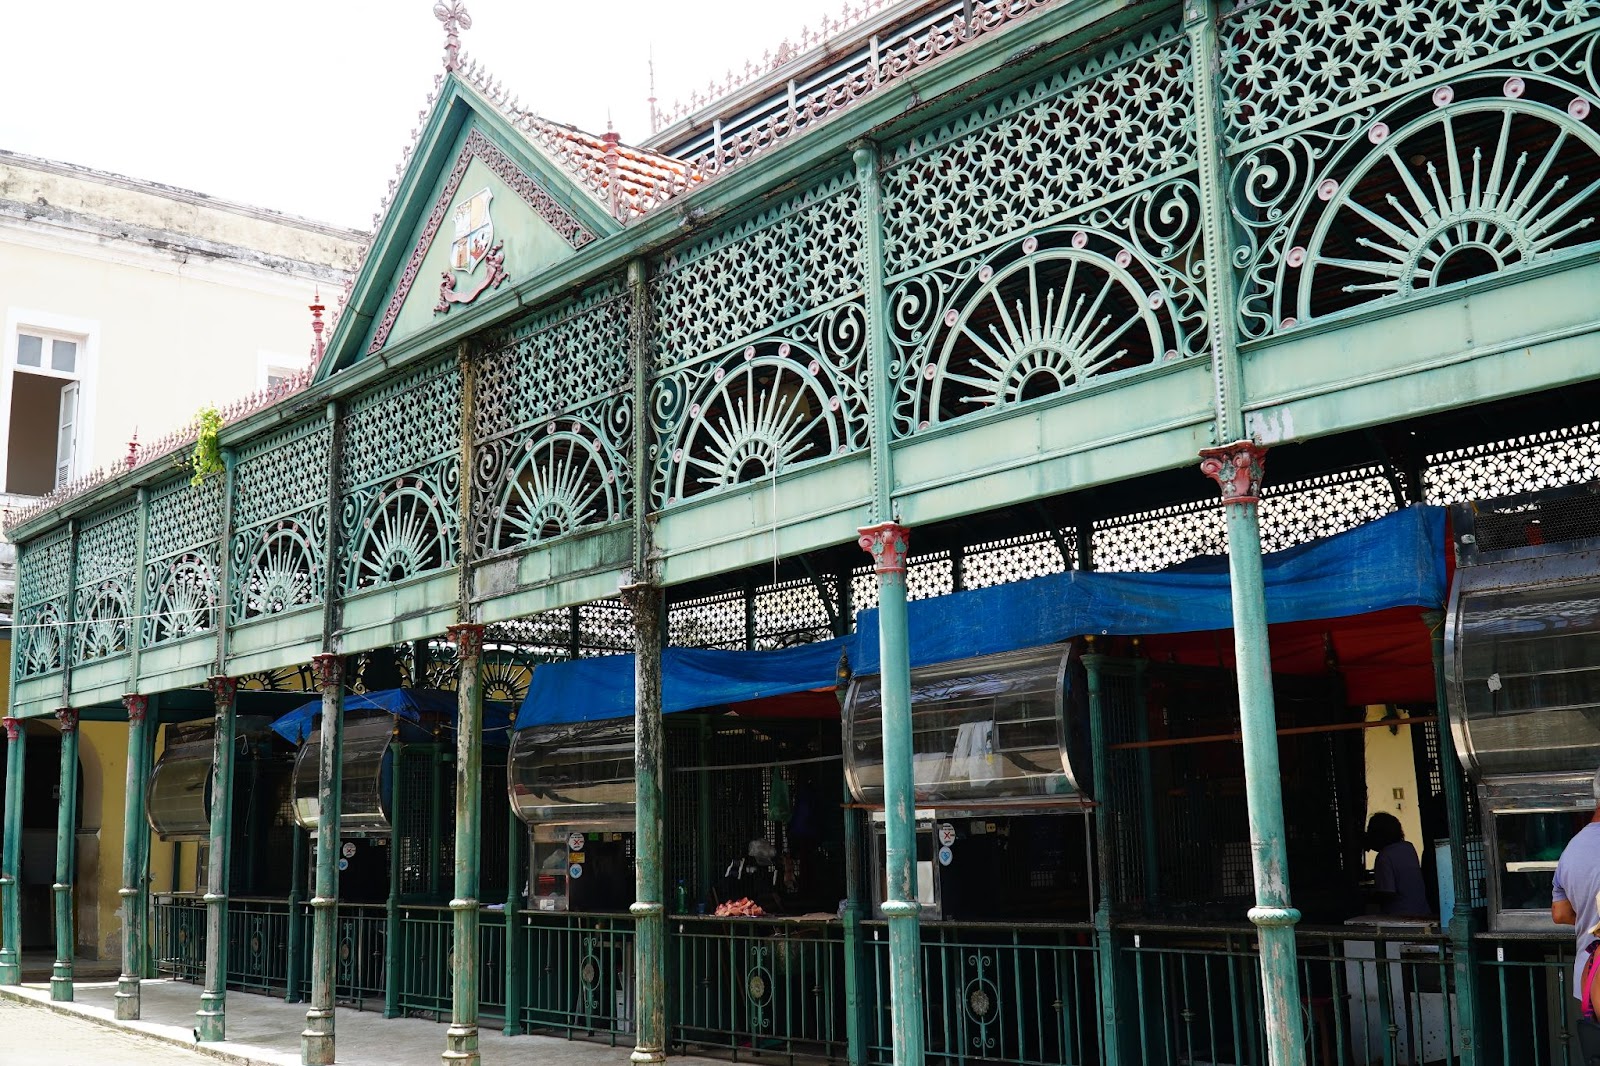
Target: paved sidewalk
30,1034
265,1031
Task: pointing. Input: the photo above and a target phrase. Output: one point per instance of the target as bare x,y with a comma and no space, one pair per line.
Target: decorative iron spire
316,324
133,449
453,14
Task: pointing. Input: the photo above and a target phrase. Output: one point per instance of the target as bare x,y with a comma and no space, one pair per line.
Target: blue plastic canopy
408,703
592,690
1396,561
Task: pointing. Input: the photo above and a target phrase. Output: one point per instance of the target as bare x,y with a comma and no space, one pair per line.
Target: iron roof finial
317,308
453,15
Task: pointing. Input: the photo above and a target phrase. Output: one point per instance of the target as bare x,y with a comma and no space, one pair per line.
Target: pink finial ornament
453,15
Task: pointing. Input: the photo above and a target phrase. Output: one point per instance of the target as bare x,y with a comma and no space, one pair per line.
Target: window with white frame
275,368
45,426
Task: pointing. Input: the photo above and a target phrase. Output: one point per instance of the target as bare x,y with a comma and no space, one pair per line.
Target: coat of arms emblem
472,247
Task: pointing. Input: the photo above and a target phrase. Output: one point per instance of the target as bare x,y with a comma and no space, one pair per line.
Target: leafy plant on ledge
206,458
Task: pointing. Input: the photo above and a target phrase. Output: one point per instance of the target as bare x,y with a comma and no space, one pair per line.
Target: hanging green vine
206,459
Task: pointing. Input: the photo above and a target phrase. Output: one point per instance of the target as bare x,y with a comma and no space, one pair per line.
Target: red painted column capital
222,689
13,727
1237,469
327,670
137,706
888,543
68,719
468,639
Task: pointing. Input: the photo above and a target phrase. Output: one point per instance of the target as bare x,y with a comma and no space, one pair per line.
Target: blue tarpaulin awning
1395,561
408,703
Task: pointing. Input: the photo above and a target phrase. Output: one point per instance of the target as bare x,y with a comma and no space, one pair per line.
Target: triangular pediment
478,210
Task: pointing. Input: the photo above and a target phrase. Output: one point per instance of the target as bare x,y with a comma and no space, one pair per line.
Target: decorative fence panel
179,940
578,974
399,489
1005,993
258,944
765,988
760,344
280,523
104,576
44,566
182,560
553,426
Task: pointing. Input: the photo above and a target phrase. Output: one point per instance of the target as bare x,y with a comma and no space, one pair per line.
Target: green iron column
515,833
1237,468
297,926
134,831
888,542
316,1040
461,1039
1455,803
66,846
855,999
10,857
648,910
213,1012
1105,860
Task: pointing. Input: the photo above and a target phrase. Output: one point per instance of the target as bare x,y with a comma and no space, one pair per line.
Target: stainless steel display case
1006,729
178,798
1522,660
366,777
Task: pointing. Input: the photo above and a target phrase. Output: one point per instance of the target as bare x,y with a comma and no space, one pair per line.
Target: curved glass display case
366,781
178,798
580,775
997,728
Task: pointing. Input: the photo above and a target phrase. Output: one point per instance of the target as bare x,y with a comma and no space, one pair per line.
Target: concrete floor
265,1031
30,1033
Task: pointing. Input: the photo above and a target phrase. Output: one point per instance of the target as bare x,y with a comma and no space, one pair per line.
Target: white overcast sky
304,105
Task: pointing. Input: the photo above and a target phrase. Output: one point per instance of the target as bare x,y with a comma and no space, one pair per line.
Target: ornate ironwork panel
1094,133
1474,175
40,638
801,611
605,627
714,621
553,426
280,522
999,562
1293,62
182,560
108,556
926,576
1048,240
760,348
400,477
1523,464
1159,538
1322,506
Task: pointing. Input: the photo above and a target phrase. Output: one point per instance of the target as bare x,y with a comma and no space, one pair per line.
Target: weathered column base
316,1041
61,971
461,1045
905,979
1275,936
127,998
213,1016
10,964
649,923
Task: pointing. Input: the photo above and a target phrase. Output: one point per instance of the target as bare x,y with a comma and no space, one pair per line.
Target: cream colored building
128,306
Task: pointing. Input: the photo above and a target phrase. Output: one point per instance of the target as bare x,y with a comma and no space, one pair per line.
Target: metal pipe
213,1013
316,1040
134,830
66,843
461,1039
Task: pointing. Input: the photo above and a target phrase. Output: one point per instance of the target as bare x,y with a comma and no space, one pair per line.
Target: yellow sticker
576,856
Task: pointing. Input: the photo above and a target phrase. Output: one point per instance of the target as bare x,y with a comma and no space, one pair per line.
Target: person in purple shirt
1396,873
1576,883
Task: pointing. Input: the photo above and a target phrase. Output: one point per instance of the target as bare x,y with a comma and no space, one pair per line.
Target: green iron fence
760,988
996,992
180,936
425,937
1529,979
258,944
577,970
1368,996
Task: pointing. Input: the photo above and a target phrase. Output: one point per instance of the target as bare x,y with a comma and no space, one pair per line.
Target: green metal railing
258,935
425,938
768,988
1367,995
577,974
1530,979
996,992
180,936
